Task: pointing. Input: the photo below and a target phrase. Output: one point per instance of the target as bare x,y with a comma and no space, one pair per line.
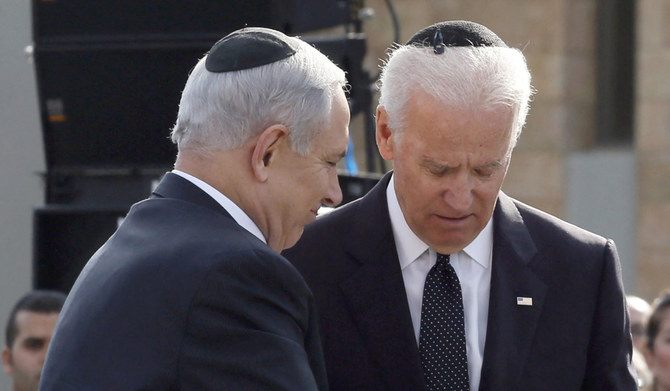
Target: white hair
221,111
461,77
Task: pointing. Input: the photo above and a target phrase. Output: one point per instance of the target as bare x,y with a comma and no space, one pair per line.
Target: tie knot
443,259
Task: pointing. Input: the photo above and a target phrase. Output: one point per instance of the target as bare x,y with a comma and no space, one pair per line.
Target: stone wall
653,146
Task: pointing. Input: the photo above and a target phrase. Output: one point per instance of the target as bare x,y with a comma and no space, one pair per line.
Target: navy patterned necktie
442,332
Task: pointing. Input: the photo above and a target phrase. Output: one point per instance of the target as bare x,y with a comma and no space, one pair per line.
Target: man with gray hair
437,280
191,293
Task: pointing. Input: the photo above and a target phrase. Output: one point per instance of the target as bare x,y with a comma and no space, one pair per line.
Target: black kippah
455,33
249,48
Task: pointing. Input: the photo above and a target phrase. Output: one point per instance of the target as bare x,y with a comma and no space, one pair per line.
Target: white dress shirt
473,267
238,214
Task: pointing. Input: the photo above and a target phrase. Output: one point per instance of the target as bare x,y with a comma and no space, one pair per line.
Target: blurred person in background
638,309
27,336
657,352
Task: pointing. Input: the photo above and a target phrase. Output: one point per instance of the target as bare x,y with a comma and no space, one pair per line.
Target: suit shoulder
562,243
336,217
165,239
555,227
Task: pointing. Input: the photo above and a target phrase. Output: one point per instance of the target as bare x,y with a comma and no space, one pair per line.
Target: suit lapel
376,295
511,326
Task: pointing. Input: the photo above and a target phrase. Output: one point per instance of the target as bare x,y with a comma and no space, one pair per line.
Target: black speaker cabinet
57,21
110,74
65,238
356,186
112,105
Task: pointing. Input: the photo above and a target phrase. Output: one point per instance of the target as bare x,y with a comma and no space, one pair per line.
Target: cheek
486,194
664,358
24,361
416,191
660,363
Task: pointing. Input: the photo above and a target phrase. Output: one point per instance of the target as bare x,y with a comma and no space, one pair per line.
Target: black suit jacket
575,336
183,298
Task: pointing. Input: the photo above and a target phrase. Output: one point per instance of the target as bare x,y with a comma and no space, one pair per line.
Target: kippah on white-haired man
191,293
437,280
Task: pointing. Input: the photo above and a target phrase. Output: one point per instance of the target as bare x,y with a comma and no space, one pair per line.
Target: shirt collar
481,248
235,211
410,246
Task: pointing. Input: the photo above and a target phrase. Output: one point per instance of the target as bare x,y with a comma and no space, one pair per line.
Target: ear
7,361
266,149
384,134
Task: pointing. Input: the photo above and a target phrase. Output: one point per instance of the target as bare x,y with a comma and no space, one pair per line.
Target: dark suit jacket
575,336
183,298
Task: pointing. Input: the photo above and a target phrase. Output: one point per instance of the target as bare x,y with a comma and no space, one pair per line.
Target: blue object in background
350,159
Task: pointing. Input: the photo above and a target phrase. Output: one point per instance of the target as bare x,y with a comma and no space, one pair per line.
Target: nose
334,195
458,192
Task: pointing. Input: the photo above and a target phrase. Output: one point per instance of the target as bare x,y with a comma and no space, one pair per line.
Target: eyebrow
34,340
494,164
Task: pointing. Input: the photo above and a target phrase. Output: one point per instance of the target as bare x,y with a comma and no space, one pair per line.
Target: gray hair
461,77
221,111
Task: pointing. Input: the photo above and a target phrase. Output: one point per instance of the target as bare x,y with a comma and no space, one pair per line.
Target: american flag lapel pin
524,301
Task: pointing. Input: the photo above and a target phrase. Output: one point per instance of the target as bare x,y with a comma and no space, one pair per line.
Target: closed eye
435,169
488,170
485,172
438,171
333,160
